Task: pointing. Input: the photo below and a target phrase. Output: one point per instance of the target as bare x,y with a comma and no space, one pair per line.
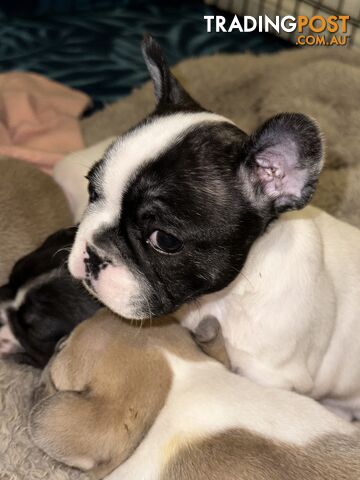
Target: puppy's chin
118,289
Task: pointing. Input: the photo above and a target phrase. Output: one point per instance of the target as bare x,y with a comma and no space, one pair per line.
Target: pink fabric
39,118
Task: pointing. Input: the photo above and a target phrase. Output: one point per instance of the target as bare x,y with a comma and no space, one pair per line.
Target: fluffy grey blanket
324,83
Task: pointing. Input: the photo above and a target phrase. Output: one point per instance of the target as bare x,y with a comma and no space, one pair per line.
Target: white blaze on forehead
140,147
121,162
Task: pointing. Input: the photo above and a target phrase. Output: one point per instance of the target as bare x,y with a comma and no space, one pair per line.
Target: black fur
205,174
51,308
168,91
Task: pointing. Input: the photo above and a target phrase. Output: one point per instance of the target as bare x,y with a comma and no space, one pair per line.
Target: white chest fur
291,319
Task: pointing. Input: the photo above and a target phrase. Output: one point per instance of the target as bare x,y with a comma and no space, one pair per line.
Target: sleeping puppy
32,207
41,302
145,403
187,210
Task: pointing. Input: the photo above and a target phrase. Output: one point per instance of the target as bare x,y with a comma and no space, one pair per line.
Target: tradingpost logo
315,30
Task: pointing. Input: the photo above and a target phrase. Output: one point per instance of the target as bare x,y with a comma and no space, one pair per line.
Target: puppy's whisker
150,314
245,277
197,306
64,249
88,167
149,309
140,327
193,297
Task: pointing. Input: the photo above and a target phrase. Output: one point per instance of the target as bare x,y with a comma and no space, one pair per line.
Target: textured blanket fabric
19,459
79,44
39,118
323,83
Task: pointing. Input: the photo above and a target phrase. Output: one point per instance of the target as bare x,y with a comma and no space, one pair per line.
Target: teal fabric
98,52
43,7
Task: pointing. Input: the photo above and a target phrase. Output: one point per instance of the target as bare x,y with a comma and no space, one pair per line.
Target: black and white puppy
41,303
182,214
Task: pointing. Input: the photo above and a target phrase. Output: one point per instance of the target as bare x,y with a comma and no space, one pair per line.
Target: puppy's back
242,455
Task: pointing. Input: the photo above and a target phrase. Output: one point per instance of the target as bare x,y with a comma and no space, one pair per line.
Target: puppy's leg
208,335
102,470
68,426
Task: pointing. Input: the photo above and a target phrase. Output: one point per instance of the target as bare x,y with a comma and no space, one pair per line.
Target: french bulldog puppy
145,403
41,302
188,213
32,207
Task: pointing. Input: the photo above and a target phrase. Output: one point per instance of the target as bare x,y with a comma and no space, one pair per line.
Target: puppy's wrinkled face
176,203
153,225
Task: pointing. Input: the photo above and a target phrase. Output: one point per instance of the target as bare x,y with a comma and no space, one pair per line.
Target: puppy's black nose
94,263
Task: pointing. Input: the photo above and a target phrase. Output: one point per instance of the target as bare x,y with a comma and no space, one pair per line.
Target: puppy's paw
8,343
208,336
207,330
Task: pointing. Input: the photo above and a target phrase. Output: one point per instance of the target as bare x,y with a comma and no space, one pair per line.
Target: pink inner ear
271,176
277,169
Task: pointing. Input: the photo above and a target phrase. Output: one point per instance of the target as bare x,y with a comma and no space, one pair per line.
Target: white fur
122,161
22,292
70,174
8,343
291,319
113,280
206,399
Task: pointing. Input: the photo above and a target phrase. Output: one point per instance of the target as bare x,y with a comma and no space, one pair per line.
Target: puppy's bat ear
167,89
63,426
285,157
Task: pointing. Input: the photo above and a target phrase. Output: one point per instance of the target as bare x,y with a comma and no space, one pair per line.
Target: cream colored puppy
147,404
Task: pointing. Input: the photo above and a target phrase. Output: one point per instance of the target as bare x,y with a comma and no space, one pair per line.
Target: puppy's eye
93,195
165,242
